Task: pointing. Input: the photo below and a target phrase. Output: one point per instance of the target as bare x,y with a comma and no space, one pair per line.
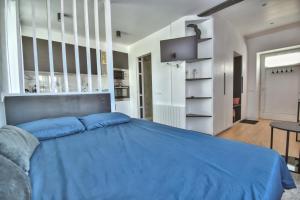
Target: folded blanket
16,149
17,145
14,183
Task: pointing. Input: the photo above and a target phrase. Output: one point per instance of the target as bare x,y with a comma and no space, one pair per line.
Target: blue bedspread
143,160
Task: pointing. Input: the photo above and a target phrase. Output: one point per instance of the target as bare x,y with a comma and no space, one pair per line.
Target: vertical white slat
12,47
63,46
143,87
76,49
87,43
35,54
50,49
109,57
8,80
20,51
96,13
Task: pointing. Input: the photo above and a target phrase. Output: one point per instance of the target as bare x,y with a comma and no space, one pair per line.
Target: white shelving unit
199,79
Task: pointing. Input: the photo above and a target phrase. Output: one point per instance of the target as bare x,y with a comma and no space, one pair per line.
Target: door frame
237,54
143,89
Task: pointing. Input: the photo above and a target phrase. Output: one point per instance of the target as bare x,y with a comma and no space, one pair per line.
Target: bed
144,160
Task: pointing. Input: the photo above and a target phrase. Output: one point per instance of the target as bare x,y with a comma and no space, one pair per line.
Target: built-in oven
121,92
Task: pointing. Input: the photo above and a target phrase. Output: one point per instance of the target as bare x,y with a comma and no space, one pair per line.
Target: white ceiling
135,18
251,16
139,18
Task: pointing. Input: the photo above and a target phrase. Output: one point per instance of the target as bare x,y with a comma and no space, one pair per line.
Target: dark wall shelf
197,115
198,97
197,60
197,79
204,39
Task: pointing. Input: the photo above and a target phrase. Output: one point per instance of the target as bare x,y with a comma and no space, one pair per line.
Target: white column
35,53
76,49
96,12
87,43
50,49
11,33
109,57
63,46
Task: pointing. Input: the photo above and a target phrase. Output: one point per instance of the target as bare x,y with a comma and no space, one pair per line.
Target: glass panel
141,113
141,101
140,67
282,60
141,84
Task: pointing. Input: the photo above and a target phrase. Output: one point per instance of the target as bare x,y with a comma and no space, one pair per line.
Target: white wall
166,91
276,40
227,40
2,60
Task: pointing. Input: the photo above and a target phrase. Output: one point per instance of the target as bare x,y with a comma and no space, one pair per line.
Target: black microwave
119,75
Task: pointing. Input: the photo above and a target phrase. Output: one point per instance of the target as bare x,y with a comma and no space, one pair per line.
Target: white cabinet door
228,97
123,107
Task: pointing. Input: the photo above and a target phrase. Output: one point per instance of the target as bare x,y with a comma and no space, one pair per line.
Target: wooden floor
259,134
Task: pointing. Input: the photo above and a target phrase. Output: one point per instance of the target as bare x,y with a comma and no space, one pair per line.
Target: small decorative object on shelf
196,29
194,73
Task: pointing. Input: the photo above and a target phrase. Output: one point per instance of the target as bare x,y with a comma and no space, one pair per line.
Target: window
285,59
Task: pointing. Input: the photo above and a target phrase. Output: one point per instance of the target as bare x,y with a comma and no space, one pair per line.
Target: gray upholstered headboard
20,109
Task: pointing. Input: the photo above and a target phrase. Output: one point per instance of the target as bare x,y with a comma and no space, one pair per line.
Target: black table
288,127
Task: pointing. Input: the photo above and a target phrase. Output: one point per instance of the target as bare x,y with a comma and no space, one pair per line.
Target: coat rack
283,70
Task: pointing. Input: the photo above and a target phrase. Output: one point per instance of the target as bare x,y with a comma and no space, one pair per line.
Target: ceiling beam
219,7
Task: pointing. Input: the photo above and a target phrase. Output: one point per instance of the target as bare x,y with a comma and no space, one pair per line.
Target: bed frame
26,108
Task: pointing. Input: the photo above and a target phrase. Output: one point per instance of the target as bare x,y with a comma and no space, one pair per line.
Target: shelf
197,115
196,20
192,97
236,106
204,39
197,60
197,79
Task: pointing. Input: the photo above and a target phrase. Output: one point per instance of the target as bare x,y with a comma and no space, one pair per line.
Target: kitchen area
121,71
121,77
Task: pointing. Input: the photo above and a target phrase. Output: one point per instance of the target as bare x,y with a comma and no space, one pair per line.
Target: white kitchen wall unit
207,108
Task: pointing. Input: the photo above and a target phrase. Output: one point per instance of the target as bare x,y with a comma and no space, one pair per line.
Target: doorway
145,87
237,87
279,84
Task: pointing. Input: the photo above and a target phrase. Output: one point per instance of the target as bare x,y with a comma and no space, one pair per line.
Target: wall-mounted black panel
179,49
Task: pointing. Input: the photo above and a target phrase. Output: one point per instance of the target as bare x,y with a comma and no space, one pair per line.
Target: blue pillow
103,119
52,128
